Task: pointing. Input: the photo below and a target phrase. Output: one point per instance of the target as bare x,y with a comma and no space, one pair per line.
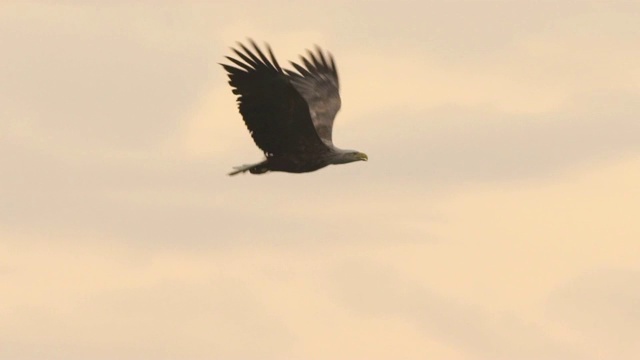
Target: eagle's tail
259,168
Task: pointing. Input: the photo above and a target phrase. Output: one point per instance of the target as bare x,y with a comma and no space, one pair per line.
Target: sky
496,218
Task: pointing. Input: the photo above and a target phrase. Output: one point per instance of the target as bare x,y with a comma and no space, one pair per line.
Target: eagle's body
288,113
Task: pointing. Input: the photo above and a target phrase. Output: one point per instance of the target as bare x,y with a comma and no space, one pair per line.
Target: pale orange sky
496,219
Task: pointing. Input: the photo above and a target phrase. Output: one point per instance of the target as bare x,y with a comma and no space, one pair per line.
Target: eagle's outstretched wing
318,83
274,110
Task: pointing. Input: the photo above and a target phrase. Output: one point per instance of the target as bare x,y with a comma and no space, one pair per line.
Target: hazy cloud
452,145
601,304
503,164
378,291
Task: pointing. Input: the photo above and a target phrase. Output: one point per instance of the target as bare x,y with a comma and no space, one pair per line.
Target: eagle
289,113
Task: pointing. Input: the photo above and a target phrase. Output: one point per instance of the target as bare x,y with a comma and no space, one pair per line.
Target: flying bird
289,113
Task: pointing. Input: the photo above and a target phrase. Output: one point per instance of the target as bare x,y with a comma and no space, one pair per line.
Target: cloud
452,145
94,77
103,302
379,292
503,163
600,305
